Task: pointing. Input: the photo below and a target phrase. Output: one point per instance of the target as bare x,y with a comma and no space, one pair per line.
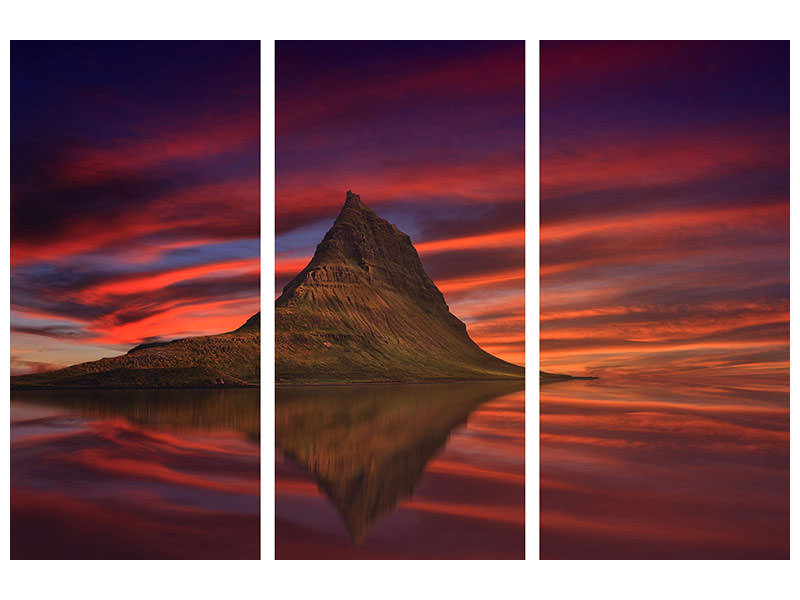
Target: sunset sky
665,207
431,136
134,195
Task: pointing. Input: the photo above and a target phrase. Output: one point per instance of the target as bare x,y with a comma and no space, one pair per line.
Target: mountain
364,309
225,360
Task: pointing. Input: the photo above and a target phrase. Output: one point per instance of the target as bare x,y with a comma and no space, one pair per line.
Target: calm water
665,470
170,474
405,471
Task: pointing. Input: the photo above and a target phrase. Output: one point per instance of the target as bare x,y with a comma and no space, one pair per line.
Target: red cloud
642,161
91,164
195,215
327,101
300,196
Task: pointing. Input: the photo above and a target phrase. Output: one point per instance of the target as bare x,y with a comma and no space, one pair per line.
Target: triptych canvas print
395,365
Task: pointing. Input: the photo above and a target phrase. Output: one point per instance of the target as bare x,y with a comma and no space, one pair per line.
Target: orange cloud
179,321
470,282
514,238
146,282
652,222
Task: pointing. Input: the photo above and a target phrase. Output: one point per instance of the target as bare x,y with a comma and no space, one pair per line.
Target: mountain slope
364,309
226,359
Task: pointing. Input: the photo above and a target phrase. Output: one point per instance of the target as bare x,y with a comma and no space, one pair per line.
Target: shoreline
287,384
39,388
545,377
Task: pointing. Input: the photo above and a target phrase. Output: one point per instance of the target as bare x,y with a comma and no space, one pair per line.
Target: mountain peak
361,244
365,309
353,201
355,214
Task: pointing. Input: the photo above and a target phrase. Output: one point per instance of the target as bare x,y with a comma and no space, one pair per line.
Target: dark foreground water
157,474
665,470
402,471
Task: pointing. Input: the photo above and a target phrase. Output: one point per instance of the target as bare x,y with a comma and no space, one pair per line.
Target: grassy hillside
375,336
227,359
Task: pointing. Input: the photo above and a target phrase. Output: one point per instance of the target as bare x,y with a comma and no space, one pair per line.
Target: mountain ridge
364,309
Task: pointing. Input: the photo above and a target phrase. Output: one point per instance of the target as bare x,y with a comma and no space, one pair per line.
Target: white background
412,19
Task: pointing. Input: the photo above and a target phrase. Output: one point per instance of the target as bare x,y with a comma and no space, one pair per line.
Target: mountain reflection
367,446
234,410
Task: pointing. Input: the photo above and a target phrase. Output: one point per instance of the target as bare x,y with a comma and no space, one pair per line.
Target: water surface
400,471
665,469
123,474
